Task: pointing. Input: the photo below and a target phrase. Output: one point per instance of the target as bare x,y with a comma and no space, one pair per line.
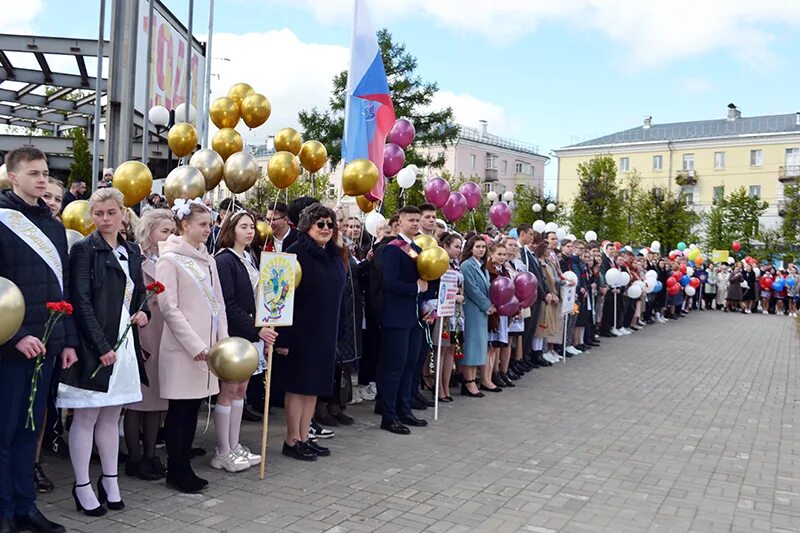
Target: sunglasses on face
322,225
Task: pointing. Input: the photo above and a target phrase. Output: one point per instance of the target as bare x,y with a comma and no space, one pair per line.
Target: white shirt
278,243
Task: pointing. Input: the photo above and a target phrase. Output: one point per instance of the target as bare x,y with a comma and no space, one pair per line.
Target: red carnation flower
156,287
53,306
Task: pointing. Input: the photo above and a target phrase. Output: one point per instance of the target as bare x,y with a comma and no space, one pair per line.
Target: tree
631,195
412,98
524,198
81,166
597,205
262,196
790,212
663,217
734,217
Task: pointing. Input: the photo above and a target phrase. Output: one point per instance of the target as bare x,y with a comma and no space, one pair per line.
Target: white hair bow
182,207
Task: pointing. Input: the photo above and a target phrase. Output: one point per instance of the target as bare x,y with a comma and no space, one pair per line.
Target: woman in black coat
238,276
107,292
306,351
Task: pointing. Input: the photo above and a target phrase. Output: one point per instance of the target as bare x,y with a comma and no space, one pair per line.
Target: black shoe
446,399
8,525
411,420
316,431
607,334
299,451
512,375
507,380
418,405
144,470
157,465
395,427
36,522
466,392
321,451
103,497
326,419
497,381
251,415
484,387
422,399
97,511
541,361
186,484
42,482
197,451
342,418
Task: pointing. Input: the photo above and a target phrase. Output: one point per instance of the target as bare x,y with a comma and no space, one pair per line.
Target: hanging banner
275,296
448,290
719,256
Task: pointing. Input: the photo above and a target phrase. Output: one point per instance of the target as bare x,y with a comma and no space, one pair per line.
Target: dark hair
427,207
315,212
467,252
394,219
23,153
226,203
447,239
281,208
408,210
297,206
227,232
523,227
537,237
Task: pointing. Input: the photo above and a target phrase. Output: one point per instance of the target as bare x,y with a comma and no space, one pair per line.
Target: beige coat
188,321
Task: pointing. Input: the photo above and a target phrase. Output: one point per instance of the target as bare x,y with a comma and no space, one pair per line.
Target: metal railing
474,134
788,172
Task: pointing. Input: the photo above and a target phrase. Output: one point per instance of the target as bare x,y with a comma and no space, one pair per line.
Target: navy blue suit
400,333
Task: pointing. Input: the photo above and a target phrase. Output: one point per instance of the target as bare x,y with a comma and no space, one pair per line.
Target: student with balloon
477,308
792,289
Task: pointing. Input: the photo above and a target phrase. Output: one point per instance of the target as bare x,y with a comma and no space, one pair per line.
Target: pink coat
188,319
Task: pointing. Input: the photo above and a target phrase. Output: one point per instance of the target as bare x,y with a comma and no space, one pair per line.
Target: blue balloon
659,287
790,282
685,280
777,285
513,233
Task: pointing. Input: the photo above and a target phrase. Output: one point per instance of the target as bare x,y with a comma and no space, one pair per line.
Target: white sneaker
642,323
573,351
551,356
229,462
368,392
617,332
250,457
625,331
356,396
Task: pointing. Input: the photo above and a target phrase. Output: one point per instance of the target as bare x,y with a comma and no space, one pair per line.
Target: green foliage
790,225
734,217
663,217
411,96
81,166
597,205
524,198
263,195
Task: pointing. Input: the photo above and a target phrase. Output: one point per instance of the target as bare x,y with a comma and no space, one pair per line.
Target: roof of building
699,129
479,136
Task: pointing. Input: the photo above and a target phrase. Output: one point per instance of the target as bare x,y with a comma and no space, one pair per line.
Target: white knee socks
222,424
237,407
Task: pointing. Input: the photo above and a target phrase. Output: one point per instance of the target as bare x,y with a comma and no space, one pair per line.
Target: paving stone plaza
687,426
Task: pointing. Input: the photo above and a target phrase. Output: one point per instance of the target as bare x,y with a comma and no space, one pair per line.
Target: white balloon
612,276
731,260
650,284
624,279
570,276
561,234
536,208
406,177
551,208
744,285
180,113
692,246
689,271
491,196
639,283
757,271
539,226
651,274
591,235
373,220
689,290
550,226
572,237
158,116
655,244
508,196
634,292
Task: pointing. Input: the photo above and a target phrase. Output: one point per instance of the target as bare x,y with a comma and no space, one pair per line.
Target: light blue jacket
476,321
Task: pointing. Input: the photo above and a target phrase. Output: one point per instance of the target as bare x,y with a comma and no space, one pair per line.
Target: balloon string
472,216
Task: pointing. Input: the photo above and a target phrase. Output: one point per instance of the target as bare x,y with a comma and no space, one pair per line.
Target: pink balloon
437,192
501,290
525,284
509,308
500,214
472,192
528,302
402,133
455,207
393,159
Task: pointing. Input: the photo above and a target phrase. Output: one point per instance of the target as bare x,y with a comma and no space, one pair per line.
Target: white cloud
18,17
694,86
469,110
651,32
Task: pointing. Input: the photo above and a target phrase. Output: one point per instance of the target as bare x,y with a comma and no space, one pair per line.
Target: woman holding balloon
733,296
477,308
453,327
749,293
498,324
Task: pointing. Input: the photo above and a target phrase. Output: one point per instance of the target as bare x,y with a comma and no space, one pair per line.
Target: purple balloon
525,284
509,308
402,133
437,192
501,291
455,207
393,159
472,192
529,301
500,214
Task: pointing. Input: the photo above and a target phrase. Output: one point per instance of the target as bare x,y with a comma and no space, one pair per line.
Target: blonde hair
104,195
53,181
147,223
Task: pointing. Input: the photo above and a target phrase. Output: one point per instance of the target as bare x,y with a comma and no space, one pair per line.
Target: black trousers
368,364
608,312
530,330
179,430
254,396
401,347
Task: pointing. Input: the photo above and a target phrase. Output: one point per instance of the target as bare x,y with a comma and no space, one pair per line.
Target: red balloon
694,282
736,246
677,276
766,282
672,256
683,269
673,290
671,281
617,245
748,259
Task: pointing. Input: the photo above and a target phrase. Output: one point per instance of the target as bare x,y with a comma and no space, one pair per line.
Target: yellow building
704,159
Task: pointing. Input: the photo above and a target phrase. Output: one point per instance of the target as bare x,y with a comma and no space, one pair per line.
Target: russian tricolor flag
369,112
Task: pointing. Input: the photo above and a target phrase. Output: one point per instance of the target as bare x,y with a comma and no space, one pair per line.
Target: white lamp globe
551,208
158,116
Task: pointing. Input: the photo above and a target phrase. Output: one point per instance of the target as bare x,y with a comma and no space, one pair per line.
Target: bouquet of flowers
151,289
56,311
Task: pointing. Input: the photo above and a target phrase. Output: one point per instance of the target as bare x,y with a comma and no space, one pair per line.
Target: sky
548,72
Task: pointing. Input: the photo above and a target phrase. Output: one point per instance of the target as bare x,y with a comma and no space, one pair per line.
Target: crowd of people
365,326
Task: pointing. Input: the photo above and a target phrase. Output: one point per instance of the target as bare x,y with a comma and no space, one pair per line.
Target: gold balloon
227,142
313,155
432,263
360,176
76,216
210,164
224,112
12,309
233,359
183,182
255,110
298,274
283,169
239,92
182,139
288,140
72,237
4,183
425,241
365,205
263,230
241,172
135,181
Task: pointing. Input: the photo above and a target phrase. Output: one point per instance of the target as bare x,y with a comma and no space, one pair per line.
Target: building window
491,162
688,193
658,162
472,161
688,161
756,158
755,191
505,166
624,164
719,193
519,167
719,159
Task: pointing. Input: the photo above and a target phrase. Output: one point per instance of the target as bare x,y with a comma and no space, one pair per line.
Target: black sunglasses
321,225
